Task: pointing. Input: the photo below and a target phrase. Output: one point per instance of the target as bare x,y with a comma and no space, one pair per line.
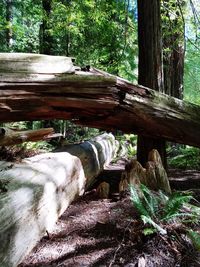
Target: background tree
9,17
46,38
173,25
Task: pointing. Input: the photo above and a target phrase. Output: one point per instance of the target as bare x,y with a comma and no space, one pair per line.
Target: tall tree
46,38
173,46
150,72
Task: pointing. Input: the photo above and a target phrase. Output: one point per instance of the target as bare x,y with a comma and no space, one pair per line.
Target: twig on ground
119,246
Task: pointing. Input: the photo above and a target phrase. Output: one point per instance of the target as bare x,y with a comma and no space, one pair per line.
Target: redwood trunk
46,39
150,72
173,47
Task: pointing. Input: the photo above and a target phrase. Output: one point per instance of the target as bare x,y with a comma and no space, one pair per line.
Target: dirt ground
106,232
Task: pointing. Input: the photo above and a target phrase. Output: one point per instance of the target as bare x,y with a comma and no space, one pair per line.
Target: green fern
195,238
159,210
149,200
148,220
137,201
174,204
149,231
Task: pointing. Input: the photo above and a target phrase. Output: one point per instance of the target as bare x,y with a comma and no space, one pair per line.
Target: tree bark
35,192
46,39
99,100
173,47
150,72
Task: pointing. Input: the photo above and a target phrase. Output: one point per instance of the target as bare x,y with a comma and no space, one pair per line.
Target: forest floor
107,232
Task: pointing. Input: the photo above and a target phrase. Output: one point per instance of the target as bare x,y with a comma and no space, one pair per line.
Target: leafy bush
127,145
187,158
43,146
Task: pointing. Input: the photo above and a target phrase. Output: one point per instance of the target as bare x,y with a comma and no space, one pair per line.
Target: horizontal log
35,192
99,100
35,63
10,137
147,112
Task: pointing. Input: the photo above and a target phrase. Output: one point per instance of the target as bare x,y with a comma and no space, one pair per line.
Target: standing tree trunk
150,67
173,71
173,47
46,38
9,33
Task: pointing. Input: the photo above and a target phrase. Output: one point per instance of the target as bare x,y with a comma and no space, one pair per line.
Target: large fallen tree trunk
35,192
95,99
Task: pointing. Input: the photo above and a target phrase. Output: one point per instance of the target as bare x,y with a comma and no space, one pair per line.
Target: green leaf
149,231
146,219
195,237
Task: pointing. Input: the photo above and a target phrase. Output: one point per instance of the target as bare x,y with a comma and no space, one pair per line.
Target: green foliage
172,23
127,145
20,125
192,54
187,158
26,19
191,73
160,211
195,237
98,33
42,146
173,205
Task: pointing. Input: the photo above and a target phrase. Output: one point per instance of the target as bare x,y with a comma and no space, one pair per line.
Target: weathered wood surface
99,100
35,63
94,154
10,137
153,175
35,192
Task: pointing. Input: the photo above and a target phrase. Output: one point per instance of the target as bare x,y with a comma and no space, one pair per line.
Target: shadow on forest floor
95,232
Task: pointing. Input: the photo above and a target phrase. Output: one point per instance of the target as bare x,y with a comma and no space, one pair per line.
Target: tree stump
103,190
153,176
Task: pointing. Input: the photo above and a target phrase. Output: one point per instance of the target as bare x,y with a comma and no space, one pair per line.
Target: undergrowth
185,158
164,214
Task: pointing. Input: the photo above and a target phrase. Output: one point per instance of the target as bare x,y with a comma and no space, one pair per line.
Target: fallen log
31,63
97,99
35,192
10,137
